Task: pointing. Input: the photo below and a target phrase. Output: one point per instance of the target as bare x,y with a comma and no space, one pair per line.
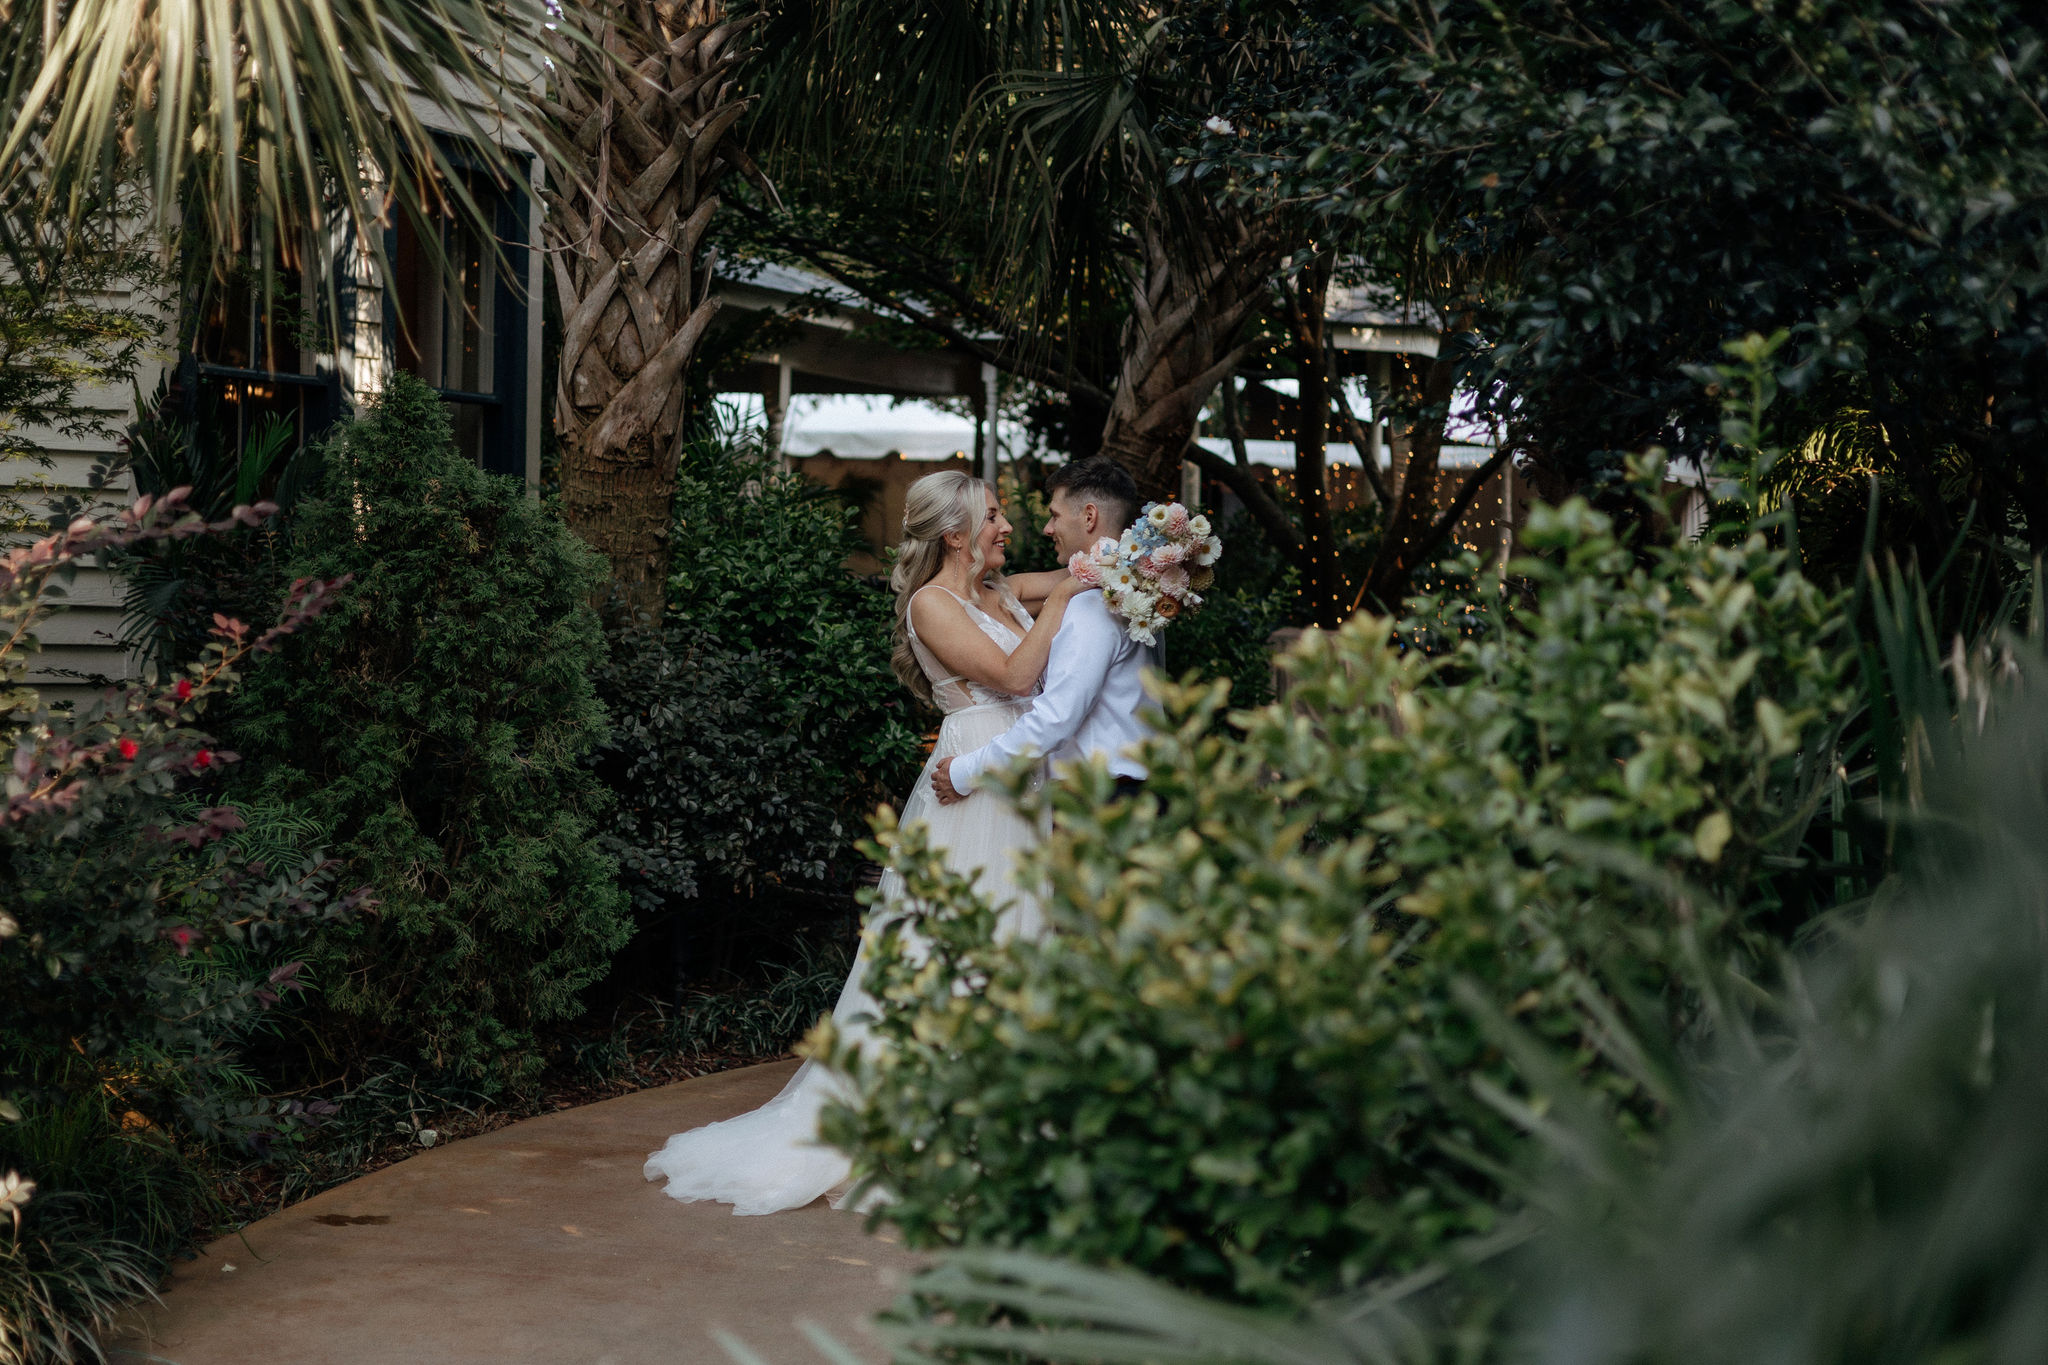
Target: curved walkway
539,1242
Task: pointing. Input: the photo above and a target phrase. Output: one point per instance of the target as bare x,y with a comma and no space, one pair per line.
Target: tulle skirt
770,1158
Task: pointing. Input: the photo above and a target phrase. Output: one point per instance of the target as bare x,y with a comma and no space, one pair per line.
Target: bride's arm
1033,589
947,631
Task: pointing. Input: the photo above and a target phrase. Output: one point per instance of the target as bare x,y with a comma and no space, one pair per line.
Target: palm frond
238,113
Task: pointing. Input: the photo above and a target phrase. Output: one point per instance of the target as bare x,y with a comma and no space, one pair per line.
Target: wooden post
988,424
1507,516
778,410
1382,379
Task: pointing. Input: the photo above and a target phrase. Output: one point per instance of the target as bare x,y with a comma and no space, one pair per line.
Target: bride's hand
1066,589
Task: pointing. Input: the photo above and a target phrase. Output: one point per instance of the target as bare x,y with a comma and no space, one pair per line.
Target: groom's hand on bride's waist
942,783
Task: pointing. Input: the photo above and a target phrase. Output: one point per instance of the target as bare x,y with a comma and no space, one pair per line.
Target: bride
966,641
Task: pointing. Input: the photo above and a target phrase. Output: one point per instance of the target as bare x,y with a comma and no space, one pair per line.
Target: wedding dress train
770,1158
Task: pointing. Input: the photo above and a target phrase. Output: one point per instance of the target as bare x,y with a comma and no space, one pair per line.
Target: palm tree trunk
645,116
1190,295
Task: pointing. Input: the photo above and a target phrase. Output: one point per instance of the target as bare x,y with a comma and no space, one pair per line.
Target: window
248,360
458,320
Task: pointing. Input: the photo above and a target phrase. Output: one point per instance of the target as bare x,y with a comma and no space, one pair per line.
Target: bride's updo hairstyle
936,506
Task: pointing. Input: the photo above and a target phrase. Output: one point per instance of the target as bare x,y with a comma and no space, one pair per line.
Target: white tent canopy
860,426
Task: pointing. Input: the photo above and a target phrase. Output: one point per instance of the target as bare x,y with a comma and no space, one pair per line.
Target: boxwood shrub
1247,1058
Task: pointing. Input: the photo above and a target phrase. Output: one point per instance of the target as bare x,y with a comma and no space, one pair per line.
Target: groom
1093,684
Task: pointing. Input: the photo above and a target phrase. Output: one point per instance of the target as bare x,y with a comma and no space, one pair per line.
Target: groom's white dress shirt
1093,689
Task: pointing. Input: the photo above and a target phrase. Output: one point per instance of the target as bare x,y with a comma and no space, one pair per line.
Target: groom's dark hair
1102,481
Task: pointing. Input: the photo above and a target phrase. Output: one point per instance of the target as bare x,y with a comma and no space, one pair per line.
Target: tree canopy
1629,185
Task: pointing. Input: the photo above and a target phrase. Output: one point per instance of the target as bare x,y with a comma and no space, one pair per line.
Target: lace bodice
951,691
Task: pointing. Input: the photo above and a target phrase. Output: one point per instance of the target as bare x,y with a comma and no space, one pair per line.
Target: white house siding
84,639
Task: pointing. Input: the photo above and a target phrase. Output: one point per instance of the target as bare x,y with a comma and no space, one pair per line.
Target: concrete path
539,1242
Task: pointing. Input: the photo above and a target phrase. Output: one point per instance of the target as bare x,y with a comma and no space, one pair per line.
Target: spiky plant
239,113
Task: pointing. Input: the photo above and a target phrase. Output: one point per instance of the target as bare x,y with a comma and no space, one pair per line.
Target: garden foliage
1243,1062
438,719
759,723
136,939
1607,194
1850,1165
69,322
174,588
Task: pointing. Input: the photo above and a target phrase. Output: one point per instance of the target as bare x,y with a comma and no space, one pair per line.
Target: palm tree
1051,124
646,104
241,117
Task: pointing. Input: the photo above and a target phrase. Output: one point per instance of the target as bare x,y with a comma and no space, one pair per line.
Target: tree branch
1270,516
1462,503
1356,430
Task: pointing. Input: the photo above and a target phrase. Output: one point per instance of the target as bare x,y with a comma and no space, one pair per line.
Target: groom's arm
1081,657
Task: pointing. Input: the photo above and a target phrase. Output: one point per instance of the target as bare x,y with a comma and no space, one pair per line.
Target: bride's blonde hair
936,506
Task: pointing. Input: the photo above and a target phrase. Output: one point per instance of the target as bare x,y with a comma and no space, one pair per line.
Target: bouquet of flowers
1157,572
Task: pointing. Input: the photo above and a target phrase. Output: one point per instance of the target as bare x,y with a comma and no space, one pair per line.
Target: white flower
1207,554
1158,515
1198,527
1215,123
1120,580
1128,546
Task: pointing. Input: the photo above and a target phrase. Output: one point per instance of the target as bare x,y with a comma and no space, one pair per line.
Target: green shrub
1256,593
759,723
438,719
106,1166
765,1020
137,938
1851,1167
62,1283
173,588
757,563
1243,1062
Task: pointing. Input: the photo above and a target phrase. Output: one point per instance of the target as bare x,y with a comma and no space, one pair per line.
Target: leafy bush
1850,1171
62,1282
438,719
102,1170
769,1020
135,938
716,795
1256,593
174,588
759,723
1244,1062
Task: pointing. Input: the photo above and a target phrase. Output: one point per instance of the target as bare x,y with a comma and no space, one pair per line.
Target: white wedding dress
771,1159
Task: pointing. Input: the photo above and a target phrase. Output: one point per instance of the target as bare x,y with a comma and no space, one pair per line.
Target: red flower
202,759
181,938
127,746
184,689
